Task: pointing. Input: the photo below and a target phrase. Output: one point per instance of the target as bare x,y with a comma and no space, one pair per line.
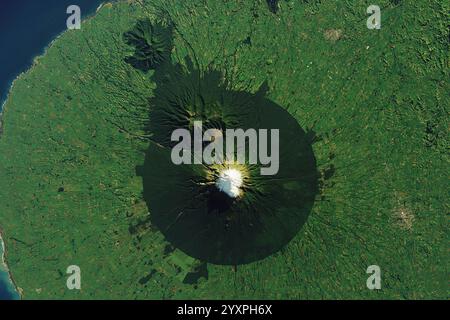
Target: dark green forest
370,107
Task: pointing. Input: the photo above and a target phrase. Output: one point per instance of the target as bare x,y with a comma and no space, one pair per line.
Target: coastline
3,258
38,56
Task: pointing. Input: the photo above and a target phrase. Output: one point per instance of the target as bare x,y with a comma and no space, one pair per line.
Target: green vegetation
184,202
76,126
153,43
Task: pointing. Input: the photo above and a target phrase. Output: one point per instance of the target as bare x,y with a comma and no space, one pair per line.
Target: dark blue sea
26,29
7,290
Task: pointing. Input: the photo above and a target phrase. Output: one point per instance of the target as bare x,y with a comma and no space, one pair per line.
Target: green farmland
372,106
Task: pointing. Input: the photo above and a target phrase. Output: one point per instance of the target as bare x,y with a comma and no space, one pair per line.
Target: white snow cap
230,182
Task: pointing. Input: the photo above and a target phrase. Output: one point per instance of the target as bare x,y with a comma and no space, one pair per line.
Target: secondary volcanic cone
254,215
152,43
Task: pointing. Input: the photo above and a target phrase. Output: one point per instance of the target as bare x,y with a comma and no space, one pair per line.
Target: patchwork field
373,104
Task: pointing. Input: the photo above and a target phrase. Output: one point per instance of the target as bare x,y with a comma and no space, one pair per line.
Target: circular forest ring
184,201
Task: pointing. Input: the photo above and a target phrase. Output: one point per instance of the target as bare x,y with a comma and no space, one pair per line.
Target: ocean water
26,29
7,290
